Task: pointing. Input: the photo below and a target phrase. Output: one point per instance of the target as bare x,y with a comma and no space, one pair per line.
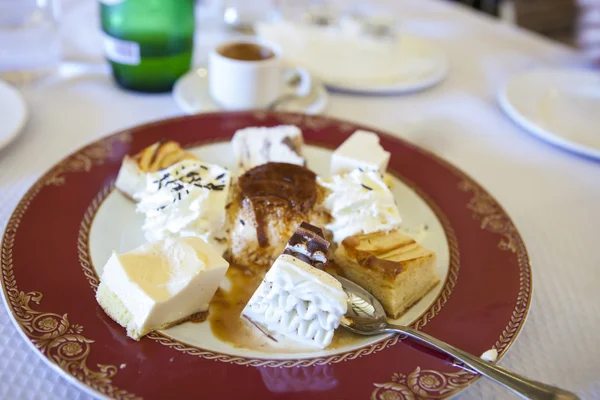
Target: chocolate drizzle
278,185
309,245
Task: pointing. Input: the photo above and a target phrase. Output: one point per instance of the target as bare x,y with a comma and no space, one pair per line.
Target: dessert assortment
274,221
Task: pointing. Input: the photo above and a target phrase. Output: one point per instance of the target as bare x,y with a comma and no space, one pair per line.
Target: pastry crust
393,267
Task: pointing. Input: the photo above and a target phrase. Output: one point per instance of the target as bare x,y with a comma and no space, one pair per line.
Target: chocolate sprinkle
178,178
366,187
242,222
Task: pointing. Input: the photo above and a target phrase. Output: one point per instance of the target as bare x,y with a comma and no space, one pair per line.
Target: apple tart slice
156,157
393,267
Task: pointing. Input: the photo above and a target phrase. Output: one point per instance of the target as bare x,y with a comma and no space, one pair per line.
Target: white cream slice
359,202
160,283
186,199
131,179
260,145
299,302
361,150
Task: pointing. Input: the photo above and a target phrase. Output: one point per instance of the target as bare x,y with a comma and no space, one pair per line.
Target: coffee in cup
250,74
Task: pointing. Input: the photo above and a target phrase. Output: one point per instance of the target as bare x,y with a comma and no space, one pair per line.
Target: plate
13,113
362,64
481,303
559,106
191,95
420,65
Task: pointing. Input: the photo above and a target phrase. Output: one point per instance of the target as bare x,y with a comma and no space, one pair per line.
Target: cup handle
301,89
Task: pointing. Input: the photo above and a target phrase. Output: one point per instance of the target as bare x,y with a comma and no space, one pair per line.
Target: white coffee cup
242,84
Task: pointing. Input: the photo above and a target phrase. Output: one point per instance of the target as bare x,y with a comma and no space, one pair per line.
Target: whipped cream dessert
299,302
359,202
186,199
160,284
259,145
132,175
361,150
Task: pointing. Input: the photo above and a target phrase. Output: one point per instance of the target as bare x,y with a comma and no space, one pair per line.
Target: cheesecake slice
268,203
299,302
393,267
255,146
160,155
159,285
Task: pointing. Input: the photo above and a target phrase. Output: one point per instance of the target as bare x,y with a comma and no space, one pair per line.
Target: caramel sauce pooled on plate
229,326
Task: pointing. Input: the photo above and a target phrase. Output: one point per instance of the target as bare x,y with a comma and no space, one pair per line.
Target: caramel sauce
228,325
277,185
226,321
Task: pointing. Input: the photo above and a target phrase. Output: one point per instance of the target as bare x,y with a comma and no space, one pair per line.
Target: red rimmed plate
64,228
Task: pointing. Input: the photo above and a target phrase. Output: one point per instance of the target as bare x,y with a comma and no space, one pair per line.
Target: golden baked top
387,252
160,155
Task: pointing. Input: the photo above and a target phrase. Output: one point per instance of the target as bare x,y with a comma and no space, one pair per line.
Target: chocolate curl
309,245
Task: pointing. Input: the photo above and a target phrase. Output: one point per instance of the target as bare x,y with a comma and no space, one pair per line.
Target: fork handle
524,387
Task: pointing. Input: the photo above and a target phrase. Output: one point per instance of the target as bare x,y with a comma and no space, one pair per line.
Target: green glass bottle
149,43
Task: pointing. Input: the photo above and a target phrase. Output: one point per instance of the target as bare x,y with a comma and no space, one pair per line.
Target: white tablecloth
553,196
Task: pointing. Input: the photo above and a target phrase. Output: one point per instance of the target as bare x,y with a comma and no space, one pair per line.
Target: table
553,196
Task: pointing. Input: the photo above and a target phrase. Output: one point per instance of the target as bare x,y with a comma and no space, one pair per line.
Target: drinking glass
29,39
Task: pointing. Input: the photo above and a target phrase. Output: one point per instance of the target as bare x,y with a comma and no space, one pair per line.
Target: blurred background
27,26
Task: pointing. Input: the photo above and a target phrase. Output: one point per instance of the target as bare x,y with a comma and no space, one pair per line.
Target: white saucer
13,113
560,106
191,94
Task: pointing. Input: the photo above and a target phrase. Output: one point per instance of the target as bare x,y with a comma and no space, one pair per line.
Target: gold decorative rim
422,384
494,219
86,263
52,334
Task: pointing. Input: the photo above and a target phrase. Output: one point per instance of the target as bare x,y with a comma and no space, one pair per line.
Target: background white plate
559,106
421,65
13,113
357,62
117,227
